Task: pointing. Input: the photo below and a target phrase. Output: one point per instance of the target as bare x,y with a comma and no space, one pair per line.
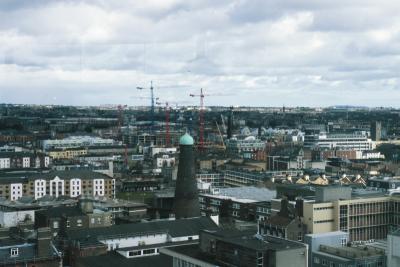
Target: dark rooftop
114,259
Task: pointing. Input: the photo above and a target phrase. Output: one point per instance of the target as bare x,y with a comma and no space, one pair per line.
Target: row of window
324,221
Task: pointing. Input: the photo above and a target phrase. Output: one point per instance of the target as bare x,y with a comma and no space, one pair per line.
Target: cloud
255,52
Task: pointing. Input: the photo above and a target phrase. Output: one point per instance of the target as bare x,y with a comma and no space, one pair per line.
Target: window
300,236
14,252
135,253
55,225
79,222
149,251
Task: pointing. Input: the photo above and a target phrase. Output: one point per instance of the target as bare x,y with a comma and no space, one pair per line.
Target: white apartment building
78,141
5,163
354,141
57,184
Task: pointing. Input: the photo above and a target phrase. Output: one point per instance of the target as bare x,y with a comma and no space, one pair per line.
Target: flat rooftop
248,194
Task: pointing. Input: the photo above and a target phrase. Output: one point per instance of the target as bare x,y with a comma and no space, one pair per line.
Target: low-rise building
81,216
77,141
17,250
66,153
239,248
23,160
240,203
348,256
72,183
132,241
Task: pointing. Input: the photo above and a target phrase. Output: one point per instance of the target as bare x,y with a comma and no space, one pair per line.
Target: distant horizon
209,106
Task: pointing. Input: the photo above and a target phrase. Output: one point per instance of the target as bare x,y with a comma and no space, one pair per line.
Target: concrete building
360,256
77,141
239,248
365,215
14,185
386,184
393,252
238,203
237,177
249,148
23,160
81,216
340,141
376,131
66,153
135,240
17,250
314,241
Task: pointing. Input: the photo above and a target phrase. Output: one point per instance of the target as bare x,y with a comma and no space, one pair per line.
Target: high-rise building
186,203
376,131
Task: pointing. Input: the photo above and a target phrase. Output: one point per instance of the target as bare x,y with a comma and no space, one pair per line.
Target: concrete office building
314,241
342,141
376,131
186,203
359,256
365,215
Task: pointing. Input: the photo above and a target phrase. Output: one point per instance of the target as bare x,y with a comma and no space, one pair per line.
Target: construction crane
220,136
201,118
201,115
152,99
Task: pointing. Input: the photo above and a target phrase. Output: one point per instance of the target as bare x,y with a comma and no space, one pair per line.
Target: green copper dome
186,139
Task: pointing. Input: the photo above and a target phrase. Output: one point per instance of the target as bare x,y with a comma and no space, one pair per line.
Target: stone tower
186,202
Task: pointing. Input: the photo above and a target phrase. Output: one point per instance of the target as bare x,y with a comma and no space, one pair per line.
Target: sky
241,52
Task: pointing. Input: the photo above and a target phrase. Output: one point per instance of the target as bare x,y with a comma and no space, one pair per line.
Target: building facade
56,183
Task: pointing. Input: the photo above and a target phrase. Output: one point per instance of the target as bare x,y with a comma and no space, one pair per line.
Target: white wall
75,185
112,244
5,163
16,191
40,188
12,218
393,251
98,187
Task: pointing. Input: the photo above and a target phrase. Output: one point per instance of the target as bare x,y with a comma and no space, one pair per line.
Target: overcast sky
249,52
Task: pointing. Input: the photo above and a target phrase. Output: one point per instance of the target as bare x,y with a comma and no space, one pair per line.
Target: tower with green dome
186,202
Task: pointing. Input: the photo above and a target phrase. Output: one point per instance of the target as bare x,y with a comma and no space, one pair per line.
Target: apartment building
73,183
364,214
66,153
77,141
21,160
342,141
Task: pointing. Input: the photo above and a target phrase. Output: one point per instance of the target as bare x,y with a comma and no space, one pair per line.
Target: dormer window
14,252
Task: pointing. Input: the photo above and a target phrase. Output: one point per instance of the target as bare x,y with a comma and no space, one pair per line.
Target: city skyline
252,53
